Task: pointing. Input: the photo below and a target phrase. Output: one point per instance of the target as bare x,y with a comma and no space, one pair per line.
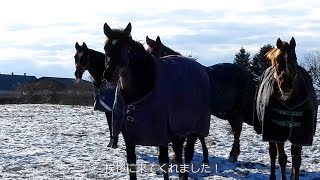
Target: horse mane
97,57
138,48
171,51
273,53
120,32
98,53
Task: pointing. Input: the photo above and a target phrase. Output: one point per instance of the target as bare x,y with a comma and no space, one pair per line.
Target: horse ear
84,45
127,30
293,42
107,30
148,40
158,40
77,46
279,43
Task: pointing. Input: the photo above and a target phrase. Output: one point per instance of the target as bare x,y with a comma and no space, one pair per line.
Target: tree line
258,63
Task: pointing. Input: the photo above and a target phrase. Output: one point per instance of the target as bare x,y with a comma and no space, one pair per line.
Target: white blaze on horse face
286,59
80,54
107,60
114,42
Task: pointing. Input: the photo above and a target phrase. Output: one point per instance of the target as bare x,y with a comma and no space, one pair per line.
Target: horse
93,61
286,107
157,49
232,92
151,106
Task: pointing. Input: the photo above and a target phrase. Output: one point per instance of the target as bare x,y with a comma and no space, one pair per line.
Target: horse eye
107,51
76,59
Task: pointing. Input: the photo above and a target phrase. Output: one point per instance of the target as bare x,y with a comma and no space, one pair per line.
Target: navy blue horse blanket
279,121
104,97
232,91
178,105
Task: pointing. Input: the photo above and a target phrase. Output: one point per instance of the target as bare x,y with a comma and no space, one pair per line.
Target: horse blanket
104,97
232,89
178,105
280,122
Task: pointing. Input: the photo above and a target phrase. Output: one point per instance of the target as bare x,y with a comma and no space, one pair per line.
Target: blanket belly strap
287,123
288,112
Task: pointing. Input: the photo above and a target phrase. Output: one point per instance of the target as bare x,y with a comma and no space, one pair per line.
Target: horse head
82,60
155,47
116,51
284,60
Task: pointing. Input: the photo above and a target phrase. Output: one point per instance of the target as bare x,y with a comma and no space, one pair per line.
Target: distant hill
54,90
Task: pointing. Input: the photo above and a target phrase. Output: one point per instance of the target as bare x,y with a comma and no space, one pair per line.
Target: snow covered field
70,142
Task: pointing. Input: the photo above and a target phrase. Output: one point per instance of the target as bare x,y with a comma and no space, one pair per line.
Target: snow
70,142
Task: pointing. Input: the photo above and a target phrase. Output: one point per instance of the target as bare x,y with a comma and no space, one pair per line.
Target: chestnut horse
286,107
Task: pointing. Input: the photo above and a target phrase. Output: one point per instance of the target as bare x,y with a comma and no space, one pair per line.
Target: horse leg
177,146
282,160
296,161
131,160
273,156
189,151
164,161
204,150
236,125
113,140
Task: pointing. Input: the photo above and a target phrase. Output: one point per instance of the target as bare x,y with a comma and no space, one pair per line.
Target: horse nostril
78,74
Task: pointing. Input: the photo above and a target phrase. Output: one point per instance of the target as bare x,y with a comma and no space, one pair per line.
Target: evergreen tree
259,61
243,58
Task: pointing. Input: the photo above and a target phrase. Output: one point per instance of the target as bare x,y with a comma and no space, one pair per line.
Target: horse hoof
112,144
173,161
233,159
205,161
184,178
272,177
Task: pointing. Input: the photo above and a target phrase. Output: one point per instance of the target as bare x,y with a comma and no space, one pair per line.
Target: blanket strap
288,112
286,123
129,108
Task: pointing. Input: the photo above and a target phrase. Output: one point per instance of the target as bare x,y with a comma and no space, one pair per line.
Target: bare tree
312,64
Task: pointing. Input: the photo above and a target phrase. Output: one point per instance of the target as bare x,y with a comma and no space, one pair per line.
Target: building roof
59,83
10,82
65,81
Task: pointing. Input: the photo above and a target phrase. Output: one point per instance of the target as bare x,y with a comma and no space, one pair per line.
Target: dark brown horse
286,107
157,49
93,61
232,93
151,106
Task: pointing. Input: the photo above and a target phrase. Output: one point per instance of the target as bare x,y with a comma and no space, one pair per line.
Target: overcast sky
38,37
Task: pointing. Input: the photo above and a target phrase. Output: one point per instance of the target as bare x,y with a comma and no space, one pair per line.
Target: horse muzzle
78,74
